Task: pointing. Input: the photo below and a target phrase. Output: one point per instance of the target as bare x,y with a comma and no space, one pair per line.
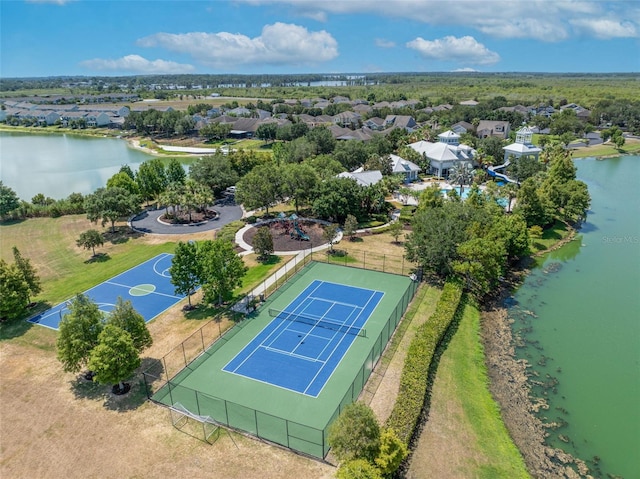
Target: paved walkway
147,221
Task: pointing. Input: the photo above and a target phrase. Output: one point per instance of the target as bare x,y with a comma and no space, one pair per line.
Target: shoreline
509,384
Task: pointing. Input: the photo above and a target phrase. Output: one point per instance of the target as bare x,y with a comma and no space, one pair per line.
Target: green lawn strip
256,274
468,371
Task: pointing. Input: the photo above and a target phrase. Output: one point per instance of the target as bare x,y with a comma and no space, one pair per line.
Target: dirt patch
286,238
55,424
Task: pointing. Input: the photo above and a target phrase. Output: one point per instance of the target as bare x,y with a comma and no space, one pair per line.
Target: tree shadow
84,388
10,329
98,258
13,221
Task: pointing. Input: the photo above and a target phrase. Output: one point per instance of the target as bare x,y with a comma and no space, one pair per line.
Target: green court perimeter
294,420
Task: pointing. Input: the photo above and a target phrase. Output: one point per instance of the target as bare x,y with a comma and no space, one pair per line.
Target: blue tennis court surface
148,287
301,347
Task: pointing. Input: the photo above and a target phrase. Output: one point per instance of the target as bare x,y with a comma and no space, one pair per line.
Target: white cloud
137,64
462,50
464,70
605,29
279,44
382,43
545,20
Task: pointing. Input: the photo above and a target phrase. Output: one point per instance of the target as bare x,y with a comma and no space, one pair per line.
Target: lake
578,313
57,165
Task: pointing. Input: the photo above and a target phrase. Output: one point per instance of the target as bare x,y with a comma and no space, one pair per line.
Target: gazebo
523,145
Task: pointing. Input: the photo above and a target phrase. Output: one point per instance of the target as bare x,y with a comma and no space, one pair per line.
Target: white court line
263,343
315,298
293,355
339,342
150,292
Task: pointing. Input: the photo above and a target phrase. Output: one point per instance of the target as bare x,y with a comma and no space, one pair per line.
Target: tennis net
319,322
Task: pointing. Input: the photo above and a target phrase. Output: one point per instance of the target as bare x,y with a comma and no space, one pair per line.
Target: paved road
147,222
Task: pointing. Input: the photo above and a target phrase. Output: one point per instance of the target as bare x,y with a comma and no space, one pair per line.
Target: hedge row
413,382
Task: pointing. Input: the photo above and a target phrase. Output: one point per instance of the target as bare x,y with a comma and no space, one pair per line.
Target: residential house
444,154
375,123
400,121
463,127
487,128
347,118
406,168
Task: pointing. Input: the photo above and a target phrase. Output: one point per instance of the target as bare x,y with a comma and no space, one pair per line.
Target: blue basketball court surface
148,287
302,346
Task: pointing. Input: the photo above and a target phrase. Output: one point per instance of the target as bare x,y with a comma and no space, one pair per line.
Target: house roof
363,178
400,165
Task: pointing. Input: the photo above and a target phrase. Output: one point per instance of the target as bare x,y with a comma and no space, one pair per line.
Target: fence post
202,338
384,257
184,354
364,260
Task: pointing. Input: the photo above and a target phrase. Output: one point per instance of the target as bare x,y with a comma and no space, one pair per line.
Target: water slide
492,172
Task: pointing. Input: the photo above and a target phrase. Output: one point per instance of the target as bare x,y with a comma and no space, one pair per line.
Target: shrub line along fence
165,375
414,379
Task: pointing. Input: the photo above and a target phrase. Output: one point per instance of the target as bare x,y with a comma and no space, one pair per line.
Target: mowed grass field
54,424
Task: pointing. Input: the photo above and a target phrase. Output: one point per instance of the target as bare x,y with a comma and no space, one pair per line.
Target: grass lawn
549,238
83,418
631,147
464,436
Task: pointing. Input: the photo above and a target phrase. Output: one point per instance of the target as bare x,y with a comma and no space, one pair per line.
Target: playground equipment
297,233
491,170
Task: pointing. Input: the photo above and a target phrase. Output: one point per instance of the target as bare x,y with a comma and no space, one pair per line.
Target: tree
195,195
299,181
263,243
267,131
221,270
14,291
436,234
481,264
127,318
260,188
431,197
78,333
350,227
461,174
90,239
395,229
215,171
114,358
110,205
358,469
322,137
185,269
531,205
329,234
175,172
338,197
152,178
123,180
392,452
355,434
9,200
28,272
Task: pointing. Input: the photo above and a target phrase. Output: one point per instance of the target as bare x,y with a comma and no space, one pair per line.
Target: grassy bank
464,436
631,147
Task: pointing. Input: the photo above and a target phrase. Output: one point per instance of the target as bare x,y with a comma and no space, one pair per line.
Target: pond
57,165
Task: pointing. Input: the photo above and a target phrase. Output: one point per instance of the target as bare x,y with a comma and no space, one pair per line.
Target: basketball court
148,287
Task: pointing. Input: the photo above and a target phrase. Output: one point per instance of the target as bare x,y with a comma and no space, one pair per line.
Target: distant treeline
583,88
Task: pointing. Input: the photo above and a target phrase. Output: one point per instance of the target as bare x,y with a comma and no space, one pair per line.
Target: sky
123,37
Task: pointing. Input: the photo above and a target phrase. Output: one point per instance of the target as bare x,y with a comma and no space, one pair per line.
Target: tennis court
302,346
148,287
286,373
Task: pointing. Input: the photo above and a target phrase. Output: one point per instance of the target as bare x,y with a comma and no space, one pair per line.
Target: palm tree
461,174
